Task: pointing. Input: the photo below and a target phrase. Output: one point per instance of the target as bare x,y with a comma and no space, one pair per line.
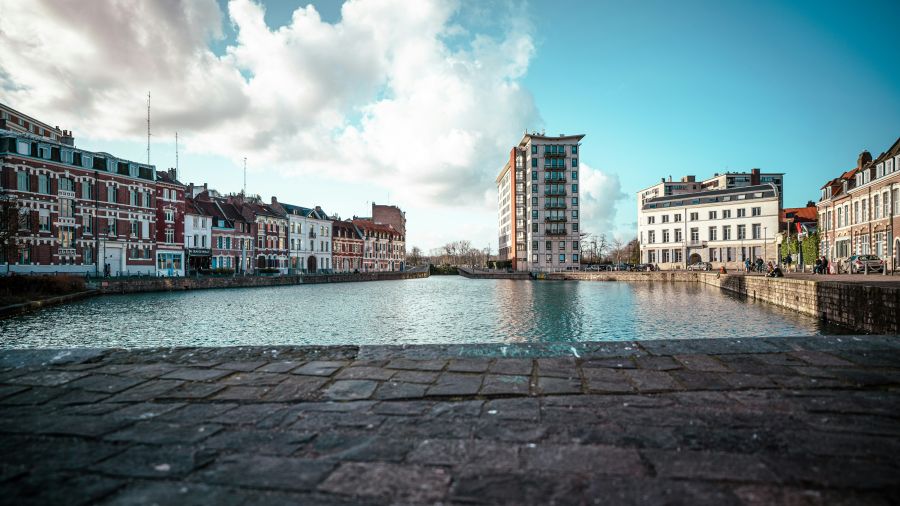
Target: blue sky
659,88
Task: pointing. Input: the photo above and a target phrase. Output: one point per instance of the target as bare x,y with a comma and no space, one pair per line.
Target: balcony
547,154
556,218
554,180
66,252
551,231
312,235
555,206
696,244
555,192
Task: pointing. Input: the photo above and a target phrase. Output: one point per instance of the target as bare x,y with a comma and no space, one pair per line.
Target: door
694,258
114,260
311,264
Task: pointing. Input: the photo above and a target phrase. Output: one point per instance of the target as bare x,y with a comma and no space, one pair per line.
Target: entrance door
694,258
311,264
114,260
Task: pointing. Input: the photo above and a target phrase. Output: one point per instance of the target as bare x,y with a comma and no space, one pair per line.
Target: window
574,174
756,231
575,246
677,235
23,181
665,218
44,184
66,237
574,163
66,208
66,184
695,234
87,224
135,228
534,214
741,212
111,226
575,258
574,201
665,235
677,218
712,233
575,149
651,236
726,233
87,190
146,199
575,214
534,175
712,215
44,222
533,149
741,232
562,258
170,235
726,213
574,188
110,193
574,227
694,216
756,211
170,215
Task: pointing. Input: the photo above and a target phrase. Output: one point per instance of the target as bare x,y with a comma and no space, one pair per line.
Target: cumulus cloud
396,93
600,193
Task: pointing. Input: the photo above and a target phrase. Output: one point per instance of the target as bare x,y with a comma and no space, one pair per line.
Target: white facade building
723,227
309,239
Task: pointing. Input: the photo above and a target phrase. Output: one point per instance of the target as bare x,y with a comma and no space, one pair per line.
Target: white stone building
309,239
723,227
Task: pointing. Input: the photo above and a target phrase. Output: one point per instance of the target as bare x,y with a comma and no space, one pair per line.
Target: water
440,309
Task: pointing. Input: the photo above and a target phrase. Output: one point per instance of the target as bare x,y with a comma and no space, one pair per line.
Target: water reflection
436,310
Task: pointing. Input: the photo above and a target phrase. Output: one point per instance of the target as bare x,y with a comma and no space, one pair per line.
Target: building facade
347,246
859,211
170,199
82,212
537,193
724,227
383,246
309,238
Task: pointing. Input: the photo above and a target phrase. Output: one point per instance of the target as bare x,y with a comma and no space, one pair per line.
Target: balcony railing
66,252
551,231
555,206
554,192
547,154
555,218
554,180
696,244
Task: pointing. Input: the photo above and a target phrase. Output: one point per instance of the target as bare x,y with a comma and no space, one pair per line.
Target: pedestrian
818,267
747,265
788,261
759,264
824,265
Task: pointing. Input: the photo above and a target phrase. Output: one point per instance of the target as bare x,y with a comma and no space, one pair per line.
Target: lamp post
765,243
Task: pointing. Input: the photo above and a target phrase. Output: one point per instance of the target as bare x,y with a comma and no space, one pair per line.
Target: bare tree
617,248
414,257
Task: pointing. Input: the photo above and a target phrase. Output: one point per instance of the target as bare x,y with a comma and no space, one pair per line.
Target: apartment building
170,198
347,246
383,248
859,211
82,212
537,192
309,237
722,226
197,233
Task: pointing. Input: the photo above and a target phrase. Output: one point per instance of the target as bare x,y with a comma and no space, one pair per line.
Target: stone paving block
469,365
408,408
564,367
395,390
554,386
701,363
197,374
262,442
296,388
280,367
651,381
658,363
867,378
606,380
830,472
47,378
884,358
350,390
7,390
154,462
408,484
700,380
33,396
709,466
514,366
518,489
146,410
613,363
242,393
59,488
415,376
196,413
738,380
254,379
369,363
163,433
505,384
67,425
458,409
319,368
455,384
820,358
804,382
659,491
513,409
815,372
779,359
193,391
249,414
48,454
181,493
509,431
584,459
335,445
758,494
148,371
466,455
417,365
74,396
146,391
365,373
265,472
242,366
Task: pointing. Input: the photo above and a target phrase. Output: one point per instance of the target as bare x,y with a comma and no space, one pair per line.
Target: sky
341,104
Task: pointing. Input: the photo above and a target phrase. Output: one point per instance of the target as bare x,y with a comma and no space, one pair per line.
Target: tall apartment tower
538,204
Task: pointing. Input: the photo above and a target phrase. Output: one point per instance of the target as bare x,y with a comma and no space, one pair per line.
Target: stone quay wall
164,284
872,308
479,274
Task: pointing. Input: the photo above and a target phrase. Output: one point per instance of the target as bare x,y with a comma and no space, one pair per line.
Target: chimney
754,176
670,178
173,173
274,200
864,158
662,180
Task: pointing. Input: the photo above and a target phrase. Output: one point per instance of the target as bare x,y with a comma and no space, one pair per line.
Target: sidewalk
811,420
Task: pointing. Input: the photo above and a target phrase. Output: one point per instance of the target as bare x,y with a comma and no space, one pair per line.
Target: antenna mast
176,154
148,128
245,176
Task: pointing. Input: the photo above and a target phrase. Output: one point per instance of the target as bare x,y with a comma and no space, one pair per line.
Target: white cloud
382,96
600,192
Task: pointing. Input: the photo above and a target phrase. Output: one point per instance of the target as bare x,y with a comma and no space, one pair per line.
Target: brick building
269,228
82,211
170,209
384,247
859,211
347,248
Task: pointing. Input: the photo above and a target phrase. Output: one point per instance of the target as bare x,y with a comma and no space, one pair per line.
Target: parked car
858,263
700,266
573,268
594,268
643,267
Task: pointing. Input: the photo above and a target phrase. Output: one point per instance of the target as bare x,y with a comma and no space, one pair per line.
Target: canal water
436,310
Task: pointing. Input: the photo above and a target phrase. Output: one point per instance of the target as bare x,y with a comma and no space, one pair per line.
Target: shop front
198,259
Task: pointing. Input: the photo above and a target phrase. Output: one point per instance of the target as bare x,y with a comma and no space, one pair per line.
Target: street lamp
765,243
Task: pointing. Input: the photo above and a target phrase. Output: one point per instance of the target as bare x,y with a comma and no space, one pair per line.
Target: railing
554,206
555,218
696,244
66,251
66,194
551,231
554,192
554,180
555,155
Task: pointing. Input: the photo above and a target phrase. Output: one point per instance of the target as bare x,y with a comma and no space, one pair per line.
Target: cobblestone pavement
732,421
